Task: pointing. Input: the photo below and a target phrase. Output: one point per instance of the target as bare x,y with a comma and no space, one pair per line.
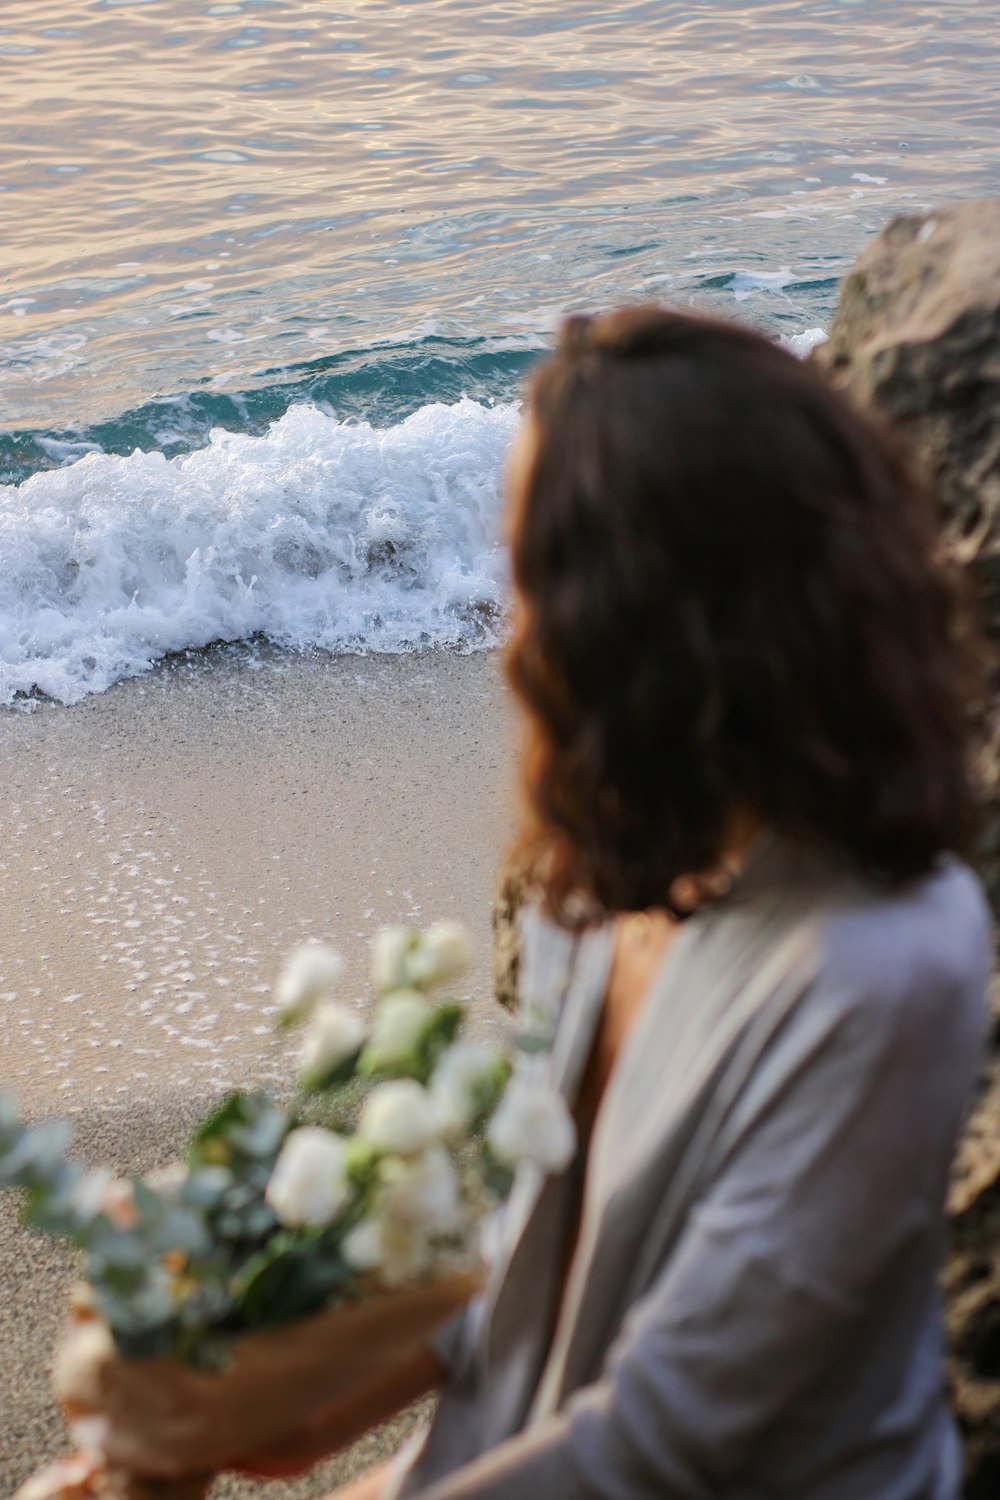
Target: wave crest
319,533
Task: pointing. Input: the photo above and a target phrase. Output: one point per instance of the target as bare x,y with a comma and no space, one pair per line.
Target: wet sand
160,847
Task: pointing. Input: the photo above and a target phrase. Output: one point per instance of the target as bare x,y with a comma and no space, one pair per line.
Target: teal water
211,213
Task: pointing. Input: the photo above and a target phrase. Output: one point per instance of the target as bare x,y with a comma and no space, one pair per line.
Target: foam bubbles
803,343
320,533
745,283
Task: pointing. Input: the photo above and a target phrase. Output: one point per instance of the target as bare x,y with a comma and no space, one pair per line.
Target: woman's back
751,1308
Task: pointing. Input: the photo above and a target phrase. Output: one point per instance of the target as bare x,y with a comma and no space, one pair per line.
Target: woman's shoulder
930,938
837,953
860,924
890,972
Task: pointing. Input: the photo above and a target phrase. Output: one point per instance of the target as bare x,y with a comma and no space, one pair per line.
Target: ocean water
273,272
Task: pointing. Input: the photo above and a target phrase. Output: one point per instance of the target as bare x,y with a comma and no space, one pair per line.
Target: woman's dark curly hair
729,598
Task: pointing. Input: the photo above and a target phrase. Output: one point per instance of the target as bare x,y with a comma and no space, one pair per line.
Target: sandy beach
161,846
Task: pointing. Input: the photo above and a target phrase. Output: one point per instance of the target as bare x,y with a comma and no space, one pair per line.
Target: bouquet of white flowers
361,1203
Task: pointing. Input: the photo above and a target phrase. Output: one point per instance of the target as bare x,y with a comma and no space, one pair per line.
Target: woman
748,689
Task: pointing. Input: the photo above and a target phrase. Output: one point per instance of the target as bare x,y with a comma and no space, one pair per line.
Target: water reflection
333,161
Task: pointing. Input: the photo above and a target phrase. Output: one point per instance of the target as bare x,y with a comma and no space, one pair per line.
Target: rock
509,898
972,1285
916,336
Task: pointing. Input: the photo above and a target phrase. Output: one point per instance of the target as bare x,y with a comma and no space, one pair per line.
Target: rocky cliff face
917,336
972,1283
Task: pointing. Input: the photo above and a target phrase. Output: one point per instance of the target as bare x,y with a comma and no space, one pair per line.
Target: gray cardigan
752,1309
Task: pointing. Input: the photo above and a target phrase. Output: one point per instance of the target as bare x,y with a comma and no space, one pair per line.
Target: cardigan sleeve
833,1164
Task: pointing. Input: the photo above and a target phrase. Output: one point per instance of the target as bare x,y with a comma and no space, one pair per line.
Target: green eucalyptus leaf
143,1313
237,1109
256,1174
207,1186
258,1220
262,1136
61,1223
121,1249
70,1203
208,1304
531,1042
240,1196
55,1190
35,1153
149,1205
230,1226
180,1229
88,1195
498,1177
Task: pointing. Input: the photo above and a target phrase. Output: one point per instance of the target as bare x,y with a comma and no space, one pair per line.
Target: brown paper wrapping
171,1425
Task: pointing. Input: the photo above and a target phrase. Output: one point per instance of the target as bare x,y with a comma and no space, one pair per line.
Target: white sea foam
802,343
745,283
319,533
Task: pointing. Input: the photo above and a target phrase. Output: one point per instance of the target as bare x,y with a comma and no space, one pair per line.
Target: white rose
361,1246
334,1035
399,1118
458,1082
309,1184
308,977
392,1248
490,1238
532,1123
422,1192
391,951
444,952
399,1022
418,1199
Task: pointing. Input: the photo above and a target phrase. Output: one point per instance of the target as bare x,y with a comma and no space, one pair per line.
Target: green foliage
529,1043
243,1126
445,1024
489,1093
292,1275
497,1176
334,1077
